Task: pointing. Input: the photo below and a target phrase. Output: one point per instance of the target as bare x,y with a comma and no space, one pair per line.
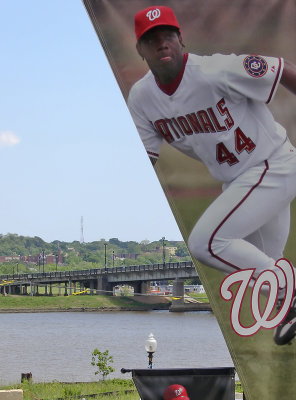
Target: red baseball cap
175,392
154,16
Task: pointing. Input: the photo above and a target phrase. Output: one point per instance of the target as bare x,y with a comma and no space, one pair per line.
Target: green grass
122,389
201,297
66,303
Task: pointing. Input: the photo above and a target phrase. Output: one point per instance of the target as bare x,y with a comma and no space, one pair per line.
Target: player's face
161,47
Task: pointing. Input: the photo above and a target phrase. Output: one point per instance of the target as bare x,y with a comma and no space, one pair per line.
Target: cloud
8,139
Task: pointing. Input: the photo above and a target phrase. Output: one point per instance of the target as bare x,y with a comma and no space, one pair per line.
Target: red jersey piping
275,81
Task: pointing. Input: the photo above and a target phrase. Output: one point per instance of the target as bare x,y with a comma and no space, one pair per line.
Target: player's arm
288,79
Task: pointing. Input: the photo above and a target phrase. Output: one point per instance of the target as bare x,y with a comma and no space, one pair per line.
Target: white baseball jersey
217,114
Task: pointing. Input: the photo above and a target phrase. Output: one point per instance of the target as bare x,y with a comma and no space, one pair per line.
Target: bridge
100,280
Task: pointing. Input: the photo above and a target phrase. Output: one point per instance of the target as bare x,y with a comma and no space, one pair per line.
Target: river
58,346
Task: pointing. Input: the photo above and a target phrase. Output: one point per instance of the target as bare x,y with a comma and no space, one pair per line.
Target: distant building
122,256
171,250
36,259
4,259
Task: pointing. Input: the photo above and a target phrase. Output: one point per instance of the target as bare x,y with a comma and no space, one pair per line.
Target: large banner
186,384
206,84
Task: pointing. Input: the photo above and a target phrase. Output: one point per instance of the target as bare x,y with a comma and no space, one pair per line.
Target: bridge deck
117,274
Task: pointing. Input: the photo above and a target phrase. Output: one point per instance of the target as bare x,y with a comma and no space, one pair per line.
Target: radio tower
81,231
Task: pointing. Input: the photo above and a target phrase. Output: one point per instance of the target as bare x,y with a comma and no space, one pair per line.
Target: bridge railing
94,272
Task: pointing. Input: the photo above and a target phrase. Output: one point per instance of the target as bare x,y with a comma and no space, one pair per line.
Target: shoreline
42,304
101,309
170,308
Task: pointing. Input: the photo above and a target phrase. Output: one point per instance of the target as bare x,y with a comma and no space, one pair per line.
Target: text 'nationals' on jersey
217,114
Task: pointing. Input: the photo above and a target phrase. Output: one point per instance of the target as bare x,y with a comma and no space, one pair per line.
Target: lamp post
163,250
105,244
43,260
150,347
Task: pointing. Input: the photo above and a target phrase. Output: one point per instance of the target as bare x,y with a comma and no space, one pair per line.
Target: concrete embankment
15,394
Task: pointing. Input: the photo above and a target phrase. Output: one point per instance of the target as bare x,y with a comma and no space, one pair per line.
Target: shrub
102,361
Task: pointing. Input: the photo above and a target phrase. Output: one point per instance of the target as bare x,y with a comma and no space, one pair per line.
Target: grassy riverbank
14,303
121,389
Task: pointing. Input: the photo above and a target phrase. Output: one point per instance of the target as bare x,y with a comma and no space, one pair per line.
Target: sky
68,146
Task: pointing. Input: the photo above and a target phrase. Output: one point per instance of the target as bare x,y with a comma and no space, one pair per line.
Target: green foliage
70,392
116,388
125,291
79,256
201,297
182,250
102,361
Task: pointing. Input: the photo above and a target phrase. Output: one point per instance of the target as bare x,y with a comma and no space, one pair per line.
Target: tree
101,360
182,250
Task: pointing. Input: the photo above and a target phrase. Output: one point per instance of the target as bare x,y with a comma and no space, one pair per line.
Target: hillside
22,254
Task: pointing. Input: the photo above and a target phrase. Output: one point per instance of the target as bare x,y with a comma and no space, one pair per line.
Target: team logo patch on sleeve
255,66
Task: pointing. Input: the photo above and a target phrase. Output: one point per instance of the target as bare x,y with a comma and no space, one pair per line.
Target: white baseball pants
247,226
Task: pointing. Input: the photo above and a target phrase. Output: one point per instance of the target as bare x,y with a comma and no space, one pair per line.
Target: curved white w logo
267,278
153,14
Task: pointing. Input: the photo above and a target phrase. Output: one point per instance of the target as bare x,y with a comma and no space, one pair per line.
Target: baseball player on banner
214,109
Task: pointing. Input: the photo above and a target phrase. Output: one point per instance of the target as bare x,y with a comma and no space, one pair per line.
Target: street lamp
150,347
43,260
163,250
105,244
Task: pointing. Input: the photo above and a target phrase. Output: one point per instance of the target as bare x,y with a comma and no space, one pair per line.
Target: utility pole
81,231
105,244
163,250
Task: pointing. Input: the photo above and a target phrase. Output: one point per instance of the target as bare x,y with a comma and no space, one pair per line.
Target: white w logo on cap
153,14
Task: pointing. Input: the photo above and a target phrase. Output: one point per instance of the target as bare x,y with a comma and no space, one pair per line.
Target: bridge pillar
45,290
92,285
70,288
66,289
25,289
9,289
178,291
50,289
74,287
145,288
103,286
141,287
